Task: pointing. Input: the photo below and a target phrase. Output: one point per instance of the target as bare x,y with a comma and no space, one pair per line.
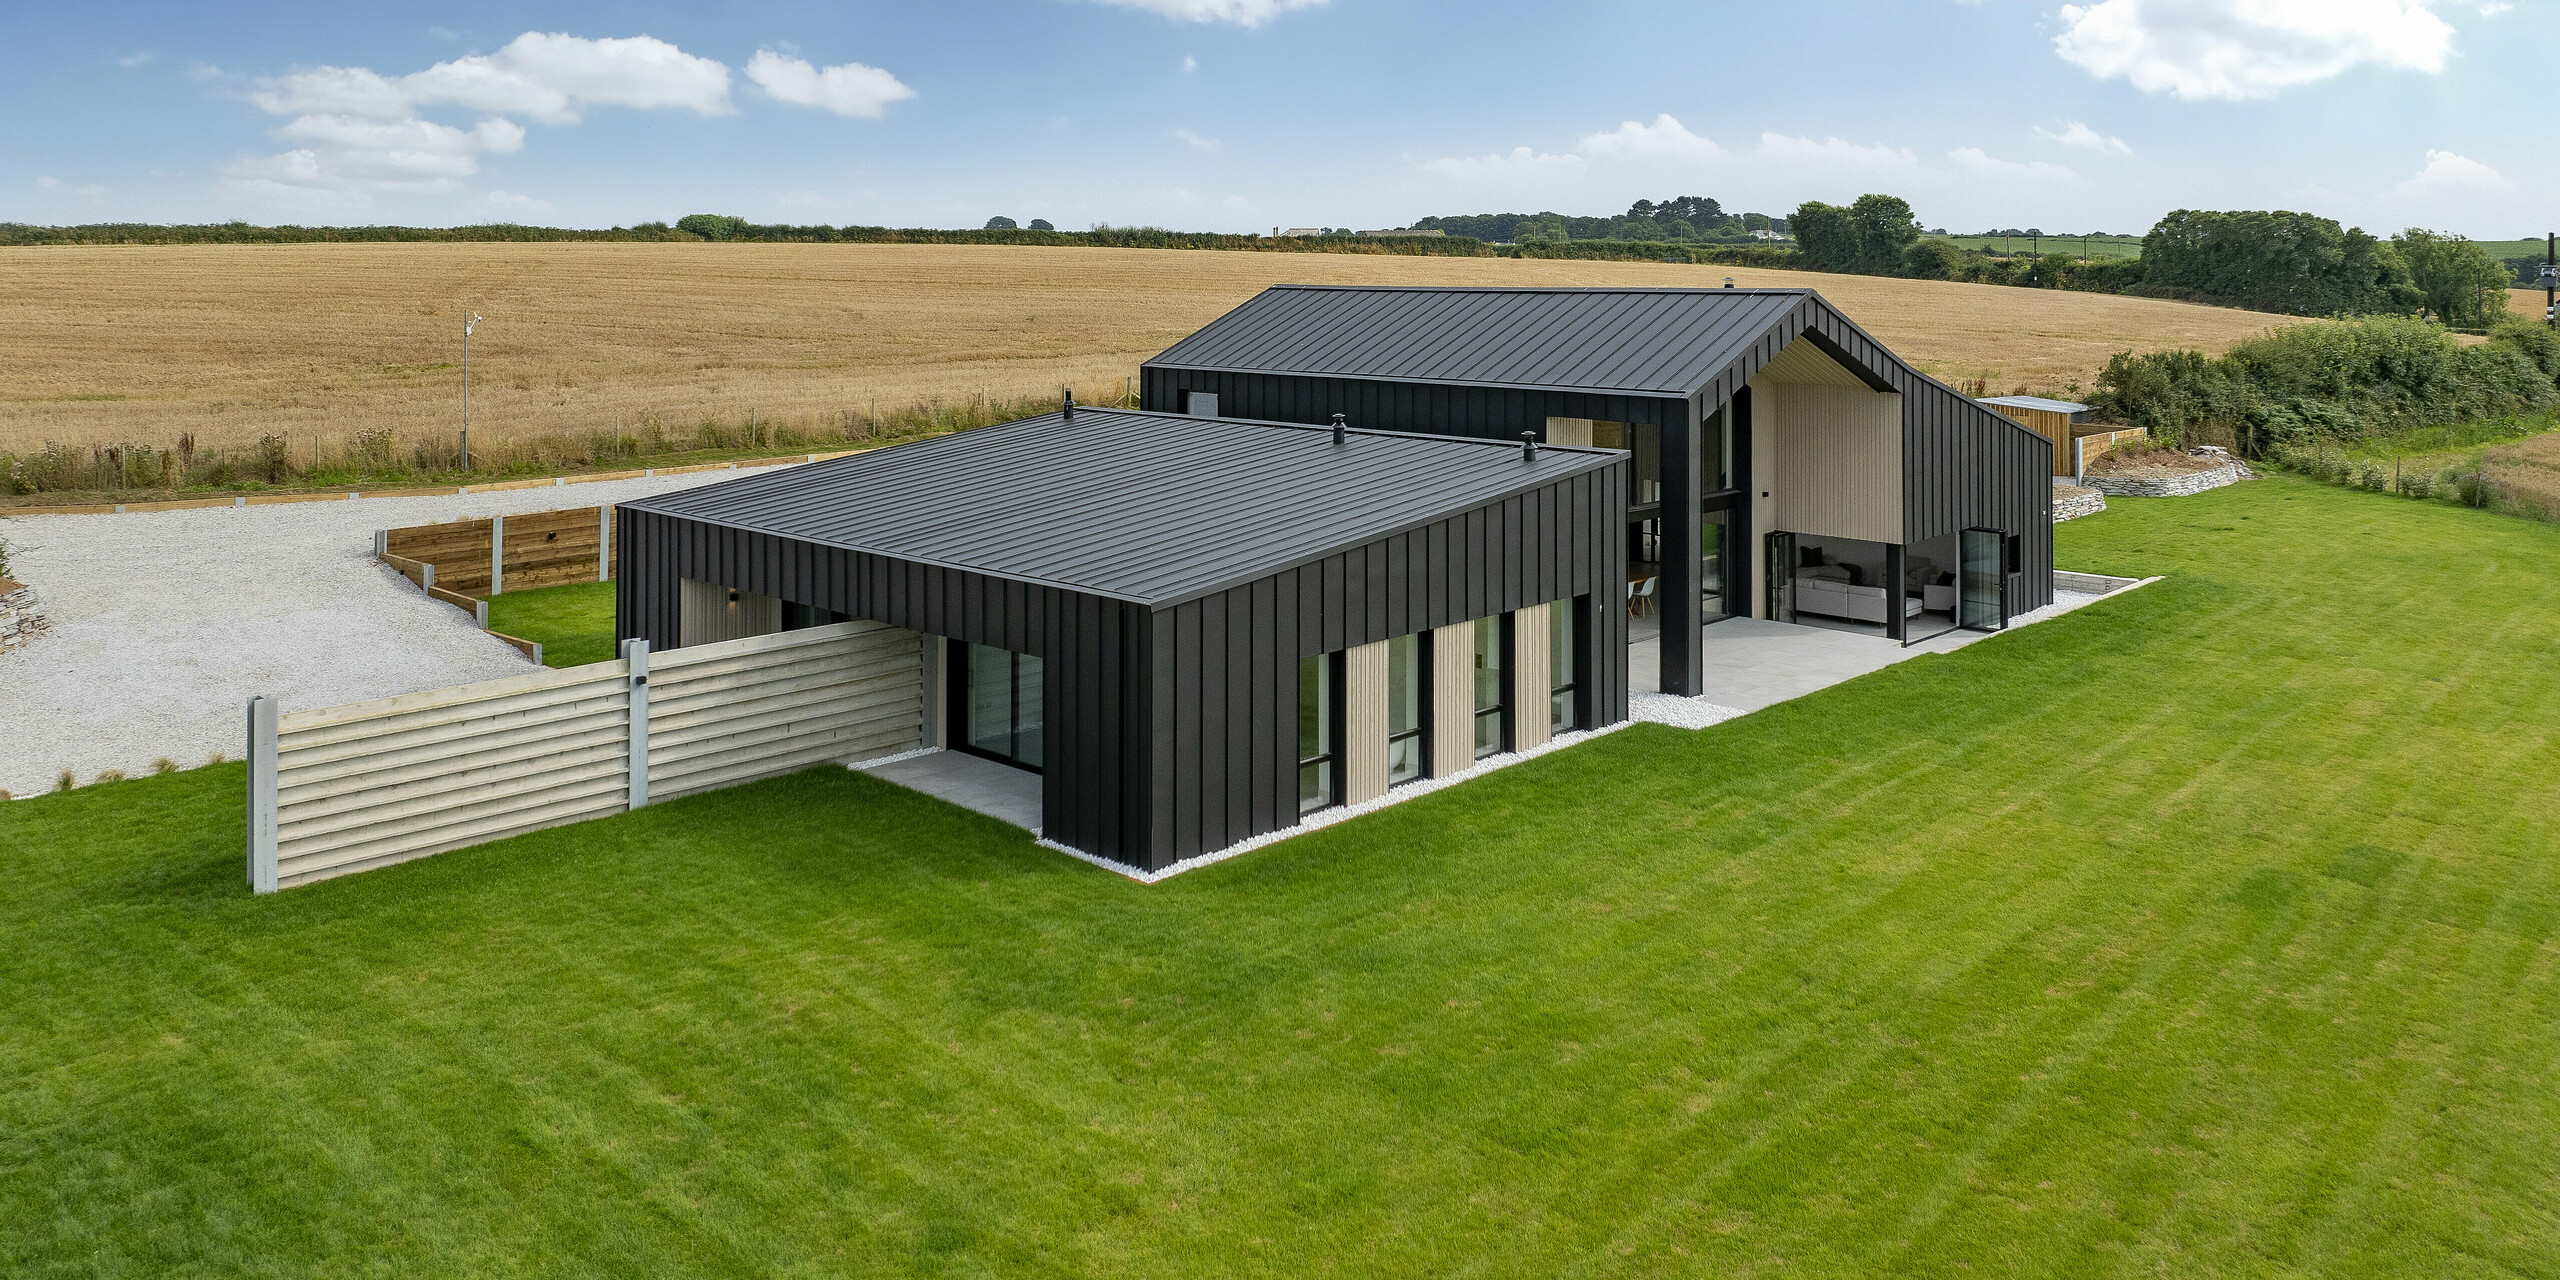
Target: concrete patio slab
999,791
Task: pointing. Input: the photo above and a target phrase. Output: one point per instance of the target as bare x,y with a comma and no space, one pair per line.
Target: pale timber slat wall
1532,678
1453,700
372,783
727,713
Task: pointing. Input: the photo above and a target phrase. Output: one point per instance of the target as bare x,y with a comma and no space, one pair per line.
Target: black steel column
1681,611
1897,621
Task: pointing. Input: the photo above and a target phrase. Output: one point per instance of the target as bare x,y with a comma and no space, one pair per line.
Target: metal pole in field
2551,280
469,321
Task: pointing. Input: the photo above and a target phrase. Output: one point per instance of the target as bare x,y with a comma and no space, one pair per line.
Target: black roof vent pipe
1528,446
1067,407
1341,433
1728,282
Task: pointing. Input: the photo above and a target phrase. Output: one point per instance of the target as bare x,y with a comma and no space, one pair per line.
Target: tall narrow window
1561,666
997,701
1408,704
1491,675
1319,731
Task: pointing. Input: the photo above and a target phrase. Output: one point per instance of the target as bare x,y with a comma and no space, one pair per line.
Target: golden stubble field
140,344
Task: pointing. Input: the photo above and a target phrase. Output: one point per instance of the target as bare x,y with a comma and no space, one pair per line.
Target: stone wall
2174,487
2072,501
19,621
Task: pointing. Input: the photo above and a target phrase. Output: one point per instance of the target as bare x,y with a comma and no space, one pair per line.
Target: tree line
1681,220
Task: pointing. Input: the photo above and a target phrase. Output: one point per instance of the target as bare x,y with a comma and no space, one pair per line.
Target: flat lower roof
1152,508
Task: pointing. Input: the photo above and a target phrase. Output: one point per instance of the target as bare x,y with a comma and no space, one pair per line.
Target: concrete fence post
604,543
382,542
636,652
262,794
426,579
480,613
497,554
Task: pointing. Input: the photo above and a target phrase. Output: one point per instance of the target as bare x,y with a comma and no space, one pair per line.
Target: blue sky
1245,114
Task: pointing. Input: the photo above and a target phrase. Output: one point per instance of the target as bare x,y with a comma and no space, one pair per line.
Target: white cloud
2076,134
522,204
2449,174
1243,13
1189,64
54,186
850,89
1665,140
1519,163
1194,141
360,132
137,58
2242,49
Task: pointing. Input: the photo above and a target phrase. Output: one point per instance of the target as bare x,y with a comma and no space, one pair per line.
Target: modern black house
1782,462
1196,632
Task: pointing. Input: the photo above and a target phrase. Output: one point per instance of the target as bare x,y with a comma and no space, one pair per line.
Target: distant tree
1933,260
1755,222
2295,263
1001,223
2458,282
1868,237
711,226
1042,224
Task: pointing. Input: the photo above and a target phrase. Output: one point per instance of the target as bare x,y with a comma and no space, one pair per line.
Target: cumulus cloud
1194,141
1665,139
358,132
850,89
1243,13
519,204
2076,134
54,186
1504,168
2242,49
2446,172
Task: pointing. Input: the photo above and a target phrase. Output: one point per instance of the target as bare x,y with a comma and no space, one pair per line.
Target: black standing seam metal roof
1152,508
1620,341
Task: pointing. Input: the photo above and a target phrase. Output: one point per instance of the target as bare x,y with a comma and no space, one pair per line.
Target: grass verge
2208,931
573,623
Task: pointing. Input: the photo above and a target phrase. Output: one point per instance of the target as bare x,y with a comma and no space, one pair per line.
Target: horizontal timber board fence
504,553
337,790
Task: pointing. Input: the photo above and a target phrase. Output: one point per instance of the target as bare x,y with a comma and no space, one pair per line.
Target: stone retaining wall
19,621
2072,501
2176,487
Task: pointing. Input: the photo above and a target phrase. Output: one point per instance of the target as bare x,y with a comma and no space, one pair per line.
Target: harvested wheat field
140,344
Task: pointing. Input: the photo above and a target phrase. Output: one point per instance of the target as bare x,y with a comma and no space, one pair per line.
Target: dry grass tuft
359,346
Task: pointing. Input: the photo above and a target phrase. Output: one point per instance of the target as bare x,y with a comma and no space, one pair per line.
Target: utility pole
2551,280
469,322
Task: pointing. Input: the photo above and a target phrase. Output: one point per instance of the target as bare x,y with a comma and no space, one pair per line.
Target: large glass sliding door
997,702
1779,569
1715,536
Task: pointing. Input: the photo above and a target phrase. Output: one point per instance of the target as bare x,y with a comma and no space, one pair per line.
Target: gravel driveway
164,623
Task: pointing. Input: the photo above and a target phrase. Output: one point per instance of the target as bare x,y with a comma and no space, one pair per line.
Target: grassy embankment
2209,931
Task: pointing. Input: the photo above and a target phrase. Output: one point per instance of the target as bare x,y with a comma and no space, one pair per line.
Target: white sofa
1826,591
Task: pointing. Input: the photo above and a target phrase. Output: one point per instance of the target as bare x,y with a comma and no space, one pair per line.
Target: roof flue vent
1728,282
1528,446
1067,406
1341,431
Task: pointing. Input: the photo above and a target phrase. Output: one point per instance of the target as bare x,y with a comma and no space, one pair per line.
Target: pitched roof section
1154,508
1627,341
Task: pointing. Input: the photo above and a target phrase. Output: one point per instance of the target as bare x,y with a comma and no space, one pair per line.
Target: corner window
1561,665
1408,706
1319,732
1200,404
998,704
1492,671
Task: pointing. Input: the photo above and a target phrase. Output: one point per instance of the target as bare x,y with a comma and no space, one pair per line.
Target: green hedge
699,227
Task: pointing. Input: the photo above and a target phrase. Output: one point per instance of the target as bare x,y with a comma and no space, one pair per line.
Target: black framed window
996,701
1408,709
1492,635
1319,732
1563,683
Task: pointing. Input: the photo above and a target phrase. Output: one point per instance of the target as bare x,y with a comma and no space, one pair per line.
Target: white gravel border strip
1342,812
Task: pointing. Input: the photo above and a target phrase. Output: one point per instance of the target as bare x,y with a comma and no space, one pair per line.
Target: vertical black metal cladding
1174,729
1224,667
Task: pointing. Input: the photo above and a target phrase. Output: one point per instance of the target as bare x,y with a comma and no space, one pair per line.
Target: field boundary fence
438,491
338,790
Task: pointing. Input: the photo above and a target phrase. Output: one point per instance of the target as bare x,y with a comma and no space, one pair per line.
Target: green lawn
2210,931
573,624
